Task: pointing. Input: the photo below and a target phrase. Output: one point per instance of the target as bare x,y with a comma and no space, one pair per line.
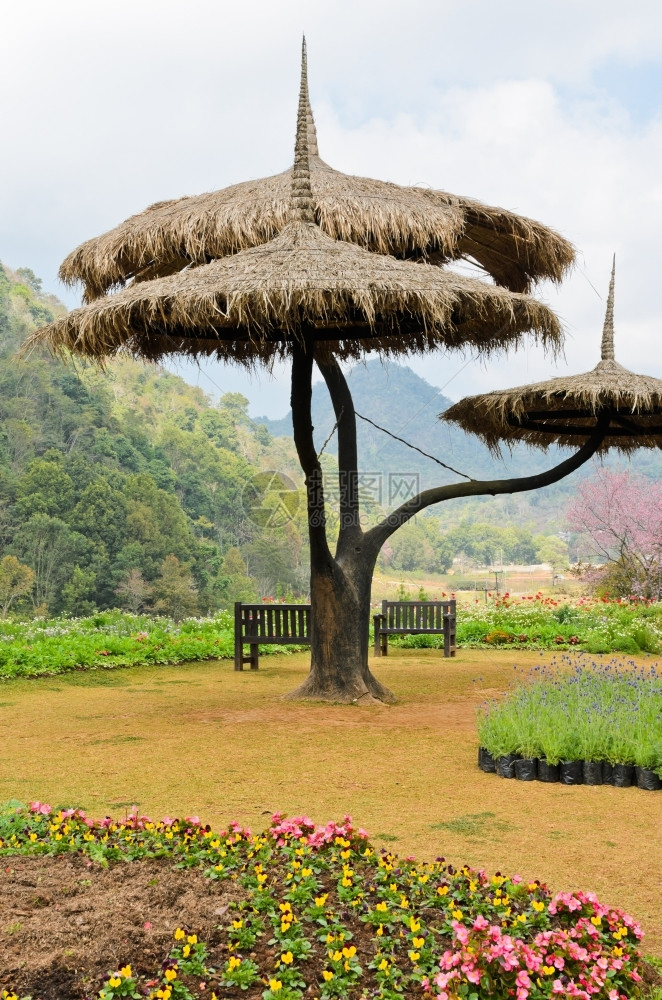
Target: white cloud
109,107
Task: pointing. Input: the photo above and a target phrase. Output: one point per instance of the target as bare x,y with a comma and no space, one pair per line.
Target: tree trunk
340,640
340,584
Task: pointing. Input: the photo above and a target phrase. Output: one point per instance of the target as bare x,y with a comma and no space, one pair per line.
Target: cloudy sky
550,108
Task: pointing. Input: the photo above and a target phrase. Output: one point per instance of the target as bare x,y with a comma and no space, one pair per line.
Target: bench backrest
414,615
272,622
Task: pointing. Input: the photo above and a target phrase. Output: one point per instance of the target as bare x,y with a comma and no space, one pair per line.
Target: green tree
44,489
51,549
78,593
174,590
16,580
236,584
101,513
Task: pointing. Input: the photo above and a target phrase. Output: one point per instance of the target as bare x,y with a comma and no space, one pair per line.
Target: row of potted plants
577,720
569,772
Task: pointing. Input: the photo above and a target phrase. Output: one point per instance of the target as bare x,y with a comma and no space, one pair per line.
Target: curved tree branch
376,537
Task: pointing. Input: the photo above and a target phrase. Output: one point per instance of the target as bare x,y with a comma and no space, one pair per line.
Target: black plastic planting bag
572,772
486,761
505,766
648,780
547,772
623,775
526,769
607,773
593,772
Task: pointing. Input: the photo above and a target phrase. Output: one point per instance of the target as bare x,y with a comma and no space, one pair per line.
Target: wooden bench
283,624
415,618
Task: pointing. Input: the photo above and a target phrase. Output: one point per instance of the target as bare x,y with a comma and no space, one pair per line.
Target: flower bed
594,713
317,910
538,622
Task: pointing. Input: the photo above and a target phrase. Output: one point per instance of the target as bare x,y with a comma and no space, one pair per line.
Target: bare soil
67,923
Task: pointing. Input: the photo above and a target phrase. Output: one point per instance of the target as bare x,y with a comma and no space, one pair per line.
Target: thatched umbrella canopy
301,286
565,410
405,222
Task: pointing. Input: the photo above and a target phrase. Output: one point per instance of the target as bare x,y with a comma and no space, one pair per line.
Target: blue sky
552,109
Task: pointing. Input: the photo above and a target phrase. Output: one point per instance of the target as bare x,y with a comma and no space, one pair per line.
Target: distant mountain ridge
408,406
399,400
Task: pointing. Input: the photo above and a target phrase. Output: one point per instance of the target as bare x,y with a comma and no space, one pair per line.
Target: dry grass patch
203,739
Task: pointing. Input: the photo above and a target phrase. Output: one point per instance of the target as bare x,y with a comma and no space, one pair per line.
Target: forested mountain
397,399
126,486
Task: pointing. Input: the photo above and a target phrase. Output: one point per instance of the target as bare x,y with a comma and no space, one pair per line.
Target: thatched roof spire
608,329
302,195
312,131
405,222
565,410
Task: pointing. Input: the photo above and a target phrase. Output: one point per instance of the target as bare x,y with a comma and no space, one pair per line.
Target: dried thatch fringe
405,222
564,410
253,304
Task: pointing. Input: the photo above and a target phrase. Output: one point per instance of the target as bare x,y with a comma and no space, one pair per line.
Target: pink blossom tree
621,515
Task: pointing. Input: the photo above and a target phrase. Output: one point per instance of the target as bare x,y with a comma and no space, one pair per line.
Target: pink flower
40,807
460,932
480,923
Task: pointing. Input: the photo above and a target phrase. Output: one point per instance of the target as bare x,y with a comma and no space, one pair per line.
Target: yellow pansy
327,975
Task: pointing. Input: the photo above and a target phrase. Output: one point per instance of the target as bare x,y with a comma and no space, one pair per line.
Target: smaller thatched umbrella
565,410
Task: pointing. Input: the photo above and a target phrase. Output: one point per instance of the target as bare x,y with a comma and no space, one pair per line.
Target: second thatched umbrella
565,410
